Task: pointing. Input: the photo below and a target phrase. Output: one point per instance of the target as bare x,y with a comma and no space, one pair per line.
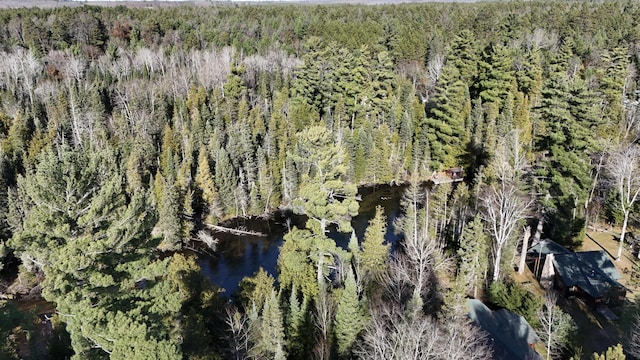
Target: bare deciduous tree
72,69
503,208
541,39
624,168
504,205
211,66
398,335
509,159
555,325
323,319
239,327
435,68
422,252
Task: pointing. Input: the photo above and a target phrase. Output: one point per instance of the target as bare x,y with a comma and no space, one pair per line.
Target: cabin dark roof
546,246
591,271
510,333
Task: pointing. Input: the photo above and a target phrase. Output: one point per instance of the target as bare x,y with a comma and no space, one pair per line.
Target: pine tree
463,56
93,245
451,107
529,73
324,195
495,77
613,84
382,83
570,120
313,81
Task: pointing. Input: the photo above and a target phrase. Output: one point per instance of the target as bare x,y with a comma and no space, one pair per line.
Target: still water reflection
240,256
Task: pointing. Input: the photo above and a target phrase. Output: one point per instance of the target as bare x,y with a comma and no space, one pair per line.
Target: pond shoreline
238,256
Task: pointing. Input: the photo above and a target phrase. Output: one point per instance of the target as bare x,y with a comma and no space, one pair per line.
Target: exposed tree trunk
235,231
625,221
525,247
496,265
503,209
323,317
538,234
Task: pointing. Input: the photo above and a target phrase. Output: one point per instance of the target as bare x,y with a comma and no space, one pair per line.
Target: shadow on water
238,256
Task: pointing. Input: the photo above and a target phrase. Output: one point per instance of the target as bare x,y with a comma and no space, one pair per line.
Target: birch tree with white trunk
624,169
503,204
555,326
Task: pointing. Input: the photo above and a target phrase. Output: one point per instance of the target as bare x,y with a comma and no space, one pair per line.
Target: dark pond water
238,256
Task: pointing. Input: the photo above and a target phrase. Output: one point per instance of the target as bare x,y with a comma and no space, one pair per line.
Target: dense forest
124,132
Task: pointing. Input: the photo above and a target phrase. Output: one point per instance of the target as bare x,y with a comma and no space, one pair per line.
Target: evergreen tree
269,337
349,320
169,210
613,84
473,256
226,182
447,118
613,353
10,319
205,183
93,246
463,56
255,290
295,329
375,252
569,124
380,169
495,76
324,195
529,72
382,84
294,266
313,79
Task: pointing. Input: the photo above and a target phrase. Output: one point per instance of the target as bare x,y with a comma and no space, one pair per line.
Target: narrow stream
238,256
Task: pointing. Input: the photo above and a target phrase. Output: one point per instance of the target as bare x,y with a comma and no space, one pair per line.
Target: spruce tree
375,250
207,188
349,320
473,256
269,339
226,180
295,329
